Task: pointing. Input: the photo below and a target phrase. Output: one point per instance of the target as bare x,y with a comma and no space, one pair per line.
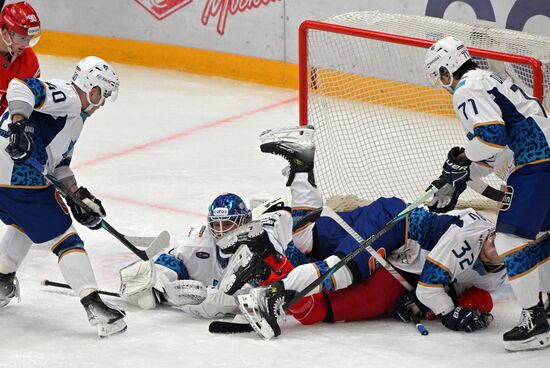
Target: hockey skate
532,332
262,307
295,145
244,267
9,288
108,319
250,234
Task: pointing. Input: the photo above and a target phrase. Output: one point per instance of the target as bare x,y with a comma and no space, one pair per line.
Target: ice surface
156,158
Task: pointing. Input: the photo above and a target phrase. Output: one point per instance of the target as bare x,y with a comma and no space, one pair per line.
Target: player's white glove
216,305
445,199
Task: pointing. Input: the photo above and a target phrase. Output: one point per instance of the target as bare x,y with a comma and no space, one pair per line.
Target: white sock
14,246
300,277
77,271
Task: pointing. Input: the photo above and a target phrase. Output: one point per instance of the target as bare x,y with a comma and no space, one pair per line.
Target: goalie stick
65,286
152,249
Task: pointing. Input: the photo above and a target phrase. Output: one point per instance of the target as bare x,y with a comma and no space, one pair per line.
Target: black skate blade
225,327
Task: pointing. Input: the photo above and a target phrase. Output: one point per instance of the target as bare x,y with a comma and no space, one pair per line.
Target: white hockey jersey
452,261
197,250
58,123
501,119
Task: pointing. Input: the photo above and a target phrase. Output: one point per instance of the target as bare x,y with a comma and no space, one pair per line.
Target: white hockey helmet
445,57
93,71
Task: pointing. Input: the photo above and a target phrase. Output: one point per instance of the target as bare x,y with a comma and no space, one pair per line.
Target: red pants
372,298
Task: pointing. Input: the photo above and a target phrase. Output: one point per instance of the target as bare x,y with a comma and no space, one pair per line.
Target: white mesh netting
381,130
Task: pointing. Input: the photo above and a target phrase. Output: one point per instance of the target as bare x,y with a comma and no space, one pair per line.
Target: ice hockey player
20,31
38,136
420,245
186,276
506,128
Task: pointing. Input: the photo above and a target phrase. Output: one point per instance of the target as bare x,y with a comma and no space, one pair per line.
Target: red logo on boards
223,8
217,9
160,9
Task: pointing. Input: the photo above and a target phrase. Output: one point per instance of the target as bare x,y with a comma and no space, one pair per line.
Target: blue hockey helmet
227,212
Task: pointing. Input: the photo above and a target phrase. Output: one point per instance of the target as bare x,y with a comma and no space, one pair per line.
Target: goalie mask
444,58
226,213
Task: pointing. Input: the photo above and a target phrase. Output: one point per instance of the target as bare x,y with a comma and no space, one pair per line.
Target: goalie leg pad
137,281
185,292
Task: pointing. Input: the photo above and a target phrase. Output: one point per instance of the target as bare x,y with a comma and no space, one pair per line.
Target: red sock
280,268
310,309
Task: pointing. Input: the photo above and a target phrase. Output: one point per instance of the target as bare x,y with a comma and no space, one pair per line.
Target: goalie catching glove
145,285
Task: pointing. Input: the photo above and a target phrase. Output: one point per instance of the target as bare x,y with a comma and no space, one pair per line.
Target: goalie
186,276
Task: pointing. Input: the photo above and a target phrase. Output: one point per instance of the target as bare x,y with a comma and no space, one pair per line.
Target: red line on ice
184,133
157,206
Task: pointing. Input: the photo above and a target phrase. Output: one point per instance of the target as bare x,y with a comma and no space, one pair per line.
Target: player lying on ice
455,248
186,276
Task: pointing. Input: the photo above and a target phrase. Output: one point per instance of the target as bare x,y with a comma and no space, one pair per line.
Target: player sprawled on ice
455,248
508,131
37,136
186,276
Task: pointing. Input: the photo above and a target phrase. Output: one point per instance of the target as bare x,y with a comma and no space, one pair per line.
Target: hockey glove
408,306
466,319
446,198
456,171
452,181
91,216
21,140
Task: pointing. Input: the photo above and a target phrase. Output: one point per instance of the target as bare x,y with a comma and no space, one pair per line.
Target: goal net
380,128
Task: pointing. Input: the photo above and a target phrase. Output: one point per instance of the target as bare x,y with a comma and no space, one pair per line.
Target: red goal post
382,131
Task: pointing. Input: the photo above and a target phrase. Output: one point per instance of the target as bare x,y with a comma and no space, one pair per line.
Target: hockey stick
65,286
362,245
153,248
329,212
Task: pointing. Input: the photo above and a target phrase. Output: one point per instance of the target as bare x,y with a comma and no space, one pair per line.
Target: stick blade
159,243
227,327
141,241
